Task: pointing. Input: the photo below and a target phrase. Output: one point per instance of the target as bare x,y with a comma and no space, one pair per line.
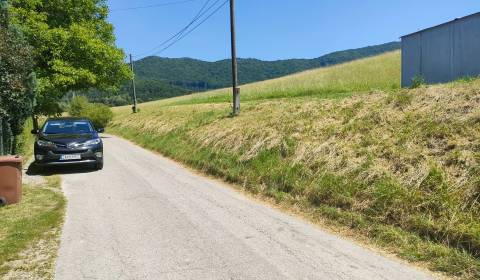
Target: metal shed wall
442,53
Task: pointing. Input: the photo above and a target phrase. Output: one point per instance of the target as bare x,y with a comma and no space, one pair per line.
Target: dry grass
436,126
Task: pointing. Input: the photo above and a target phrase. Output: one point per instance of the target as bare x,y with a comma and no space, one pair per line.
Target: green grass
36,220
25,142
397,166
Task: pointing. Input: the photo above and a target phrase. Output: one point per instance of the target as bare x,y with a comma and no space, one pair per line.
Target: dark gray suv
65,141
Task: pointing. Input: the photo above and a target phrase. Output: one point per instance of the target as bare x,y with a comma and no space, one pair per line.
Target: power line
200,13
193,29
152,6
181,34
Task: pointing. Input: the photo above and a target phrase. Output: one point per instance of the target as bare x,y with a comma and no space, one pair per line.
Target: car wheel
99,165
38,168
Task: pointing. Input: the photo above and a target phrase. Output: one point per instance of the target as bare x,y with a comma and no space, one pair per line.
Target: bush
417,82
77,106
99,114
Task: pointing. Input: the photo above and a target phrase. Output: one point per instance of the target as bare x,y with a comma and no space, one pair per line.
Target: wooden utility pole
134,92
235,88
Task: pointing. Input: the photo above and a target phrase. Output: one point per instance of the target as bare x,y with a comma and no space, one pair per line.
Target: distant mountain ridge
193,74
159,77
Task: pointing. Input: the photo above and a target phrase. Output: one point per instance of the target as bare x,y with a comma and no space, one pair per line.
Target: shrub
77,106
417,82
99,114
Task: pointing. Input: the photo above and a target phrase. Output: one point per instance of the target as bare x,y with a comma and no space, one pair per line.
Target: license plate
70,157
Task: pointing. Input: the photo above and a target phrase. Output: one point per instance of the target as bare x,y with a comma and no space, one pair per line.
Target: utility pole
134,92
235,88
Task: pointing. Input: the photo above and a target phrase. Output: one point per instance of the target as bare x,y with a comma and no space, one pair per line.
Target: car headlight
43,143
92,142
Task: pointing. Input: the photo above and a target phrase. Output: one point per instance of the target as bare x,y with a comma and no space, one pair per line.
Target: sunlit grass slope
344,143
380,72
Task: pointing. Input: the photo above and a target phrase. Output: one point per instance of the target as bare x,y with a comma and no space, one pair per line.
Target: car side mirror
101,130
34,131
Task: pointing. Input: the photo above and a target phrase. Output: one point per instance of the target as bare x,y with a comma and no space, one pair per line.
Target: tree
17,82
74,47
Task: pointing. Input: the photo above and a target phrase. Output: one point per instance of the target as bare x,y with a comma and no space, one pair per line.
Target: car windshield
67,127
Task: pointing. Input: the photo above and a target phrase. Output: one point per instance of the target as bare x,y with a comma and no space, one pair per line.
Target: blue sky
279,29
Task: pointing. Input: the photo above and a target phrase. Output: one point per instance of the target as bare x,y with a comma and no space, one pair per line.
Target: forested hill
196,75
159,77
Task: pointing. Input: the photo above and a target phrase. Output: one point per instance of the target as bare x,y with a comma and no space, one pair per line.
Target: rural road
145,217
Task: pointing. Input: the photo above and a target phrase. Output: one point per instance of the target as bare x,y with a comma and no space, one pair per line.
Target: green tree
16,82
74,47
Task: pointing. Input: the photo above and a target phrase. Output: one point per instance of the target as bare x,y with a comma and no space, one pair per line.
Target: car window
67,127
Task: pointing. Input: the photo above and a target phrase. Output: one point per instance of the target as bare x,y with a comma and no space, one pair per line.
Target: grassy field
30,230
380,72
399,167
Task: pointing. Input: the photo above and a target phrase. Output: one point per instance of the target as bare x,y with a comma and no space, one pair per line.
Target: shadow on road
34,169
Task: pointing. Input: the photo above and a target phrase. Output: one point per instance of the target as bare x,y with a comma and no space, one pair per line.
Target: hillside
147,90
160,78
197,75
344,145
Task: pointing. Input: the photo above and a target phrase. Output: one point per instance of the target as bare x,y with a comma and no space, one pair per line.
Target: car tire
99,165
38,168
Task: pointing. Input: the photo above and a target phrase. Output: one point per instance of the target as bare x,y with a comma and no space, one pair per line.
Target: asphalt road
145,217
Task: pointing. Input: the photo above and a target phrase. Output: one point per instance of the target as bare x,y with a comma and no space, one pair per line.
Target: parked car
66,141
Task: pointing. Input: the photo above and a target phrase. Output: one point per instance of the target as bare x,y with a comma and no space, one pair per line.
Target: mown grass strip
37,217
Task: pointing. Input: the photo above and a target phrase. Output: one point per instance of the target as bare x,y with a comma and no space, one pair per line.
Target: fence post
1,137
13,150
8,150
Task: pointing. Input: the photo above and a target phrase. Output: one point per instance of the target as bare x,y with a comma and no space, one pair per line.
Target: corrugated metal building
442,53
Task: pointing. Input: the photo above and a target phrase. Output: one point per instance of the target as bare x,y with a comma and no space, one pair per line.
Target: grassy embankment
345,145
29,231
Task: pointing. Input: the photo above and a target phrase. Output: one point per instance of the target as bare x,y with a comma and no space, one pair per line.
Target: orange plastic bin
10,180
